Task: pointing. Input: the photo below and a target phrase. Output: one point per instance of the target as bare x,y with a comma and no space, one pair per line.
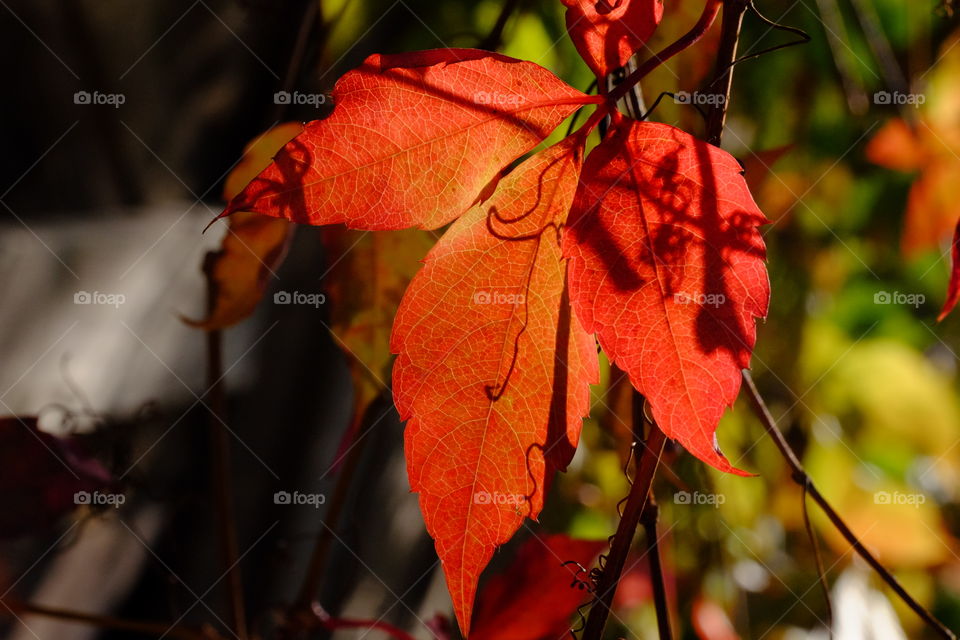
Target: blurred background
123,123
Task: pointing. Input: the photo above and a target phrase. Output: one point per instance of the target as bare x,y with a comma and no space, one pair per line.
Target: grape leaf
413,140
667,267
537,595
608,32
254,245
493,370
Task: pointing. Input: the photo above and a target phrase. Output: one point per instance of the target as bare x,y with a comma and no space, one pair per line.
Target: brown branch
15,608
800,476
647,453
730,24
220,467
649,521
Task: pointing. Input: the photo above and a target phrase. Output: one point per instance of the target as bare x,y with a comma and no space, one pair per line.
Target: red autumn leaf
493,369
40,474
667,267
254,245
953,289
413,140
608,32
537,595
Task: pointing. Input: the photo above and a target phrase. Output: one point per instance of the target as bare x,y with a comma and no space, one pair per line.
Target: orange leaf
253,246
667,266
361,314
896,146
493,370
932,207
608,32
412,141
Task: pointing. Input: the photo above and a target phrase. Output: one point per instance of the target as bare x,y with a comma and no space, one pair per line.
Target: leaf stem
800,476
220,468
314,575
647,452
648,519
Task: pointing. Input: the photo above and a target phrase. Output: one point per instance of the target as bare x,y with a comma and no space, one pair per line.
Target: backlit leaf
608,32
667,267
254,245
493,369
413,140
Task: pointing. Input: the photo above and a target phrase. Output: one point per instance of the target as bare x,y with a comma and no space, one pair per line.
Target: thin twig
866,14
730,24
221,479
318,559
495,38
800,476
647,453
312,19
648,519
836,33
821,574
12,608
